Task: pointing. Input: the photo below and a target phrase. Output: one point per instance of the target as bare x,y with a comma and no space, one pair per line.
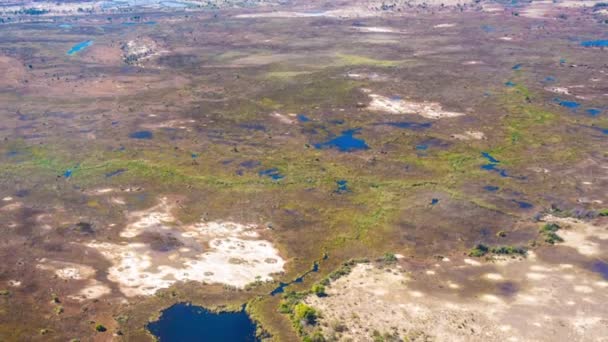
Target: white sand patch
14,283
377,29
559,90
444,25
583,289
282,118
213,252
494,276
472,262
469,135
472,63
7,199
508,39
430,110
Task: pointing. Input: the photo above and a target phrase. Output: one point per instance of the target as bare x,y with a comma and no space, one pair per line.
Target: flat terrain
159,153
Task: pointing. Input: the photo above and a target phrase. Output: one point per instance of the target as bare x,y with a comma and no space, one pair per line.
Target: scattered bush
389,258
100,328
479,251
303,312
549,232
319,290
603,212
509,250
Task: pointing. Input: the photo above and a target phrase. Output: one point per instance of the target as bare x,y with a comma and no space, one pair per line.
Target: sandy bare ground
429,110
466,299
159,251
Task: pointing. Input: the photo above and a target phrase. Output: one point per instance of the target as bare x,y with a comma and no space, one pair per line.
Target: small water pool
346,142
79,47
185,322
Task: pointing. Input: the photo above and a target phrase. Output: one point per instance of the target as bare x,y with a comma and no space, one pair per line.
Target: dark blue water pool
491,188
489,157
568,104
342,186
273,173
141,135
303,118
346,142
186,323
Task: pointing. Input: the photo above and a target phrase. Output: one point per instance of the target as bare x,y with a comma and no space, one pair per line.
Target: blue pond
489,157
594,111
434,201
523,205
492,167
79,47
595,43
185,322
422,147
272,173
517,66
510,84
67,173
568,104
342,186
346,142
601,268
141,135
549,79
491,188
303,118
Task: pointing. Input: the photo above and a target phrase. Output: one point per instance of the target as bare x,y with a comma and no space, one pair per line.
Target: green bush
509,250
553,238
100,328
389,258
479,251
303,312
549,232
319,290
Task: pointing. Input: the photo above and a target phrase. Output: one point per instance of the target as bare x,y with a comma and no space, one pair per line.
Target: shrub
389,258
550,227
479,251
100,328
553,238
509,250
319,290
603,212
549,232
303,312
